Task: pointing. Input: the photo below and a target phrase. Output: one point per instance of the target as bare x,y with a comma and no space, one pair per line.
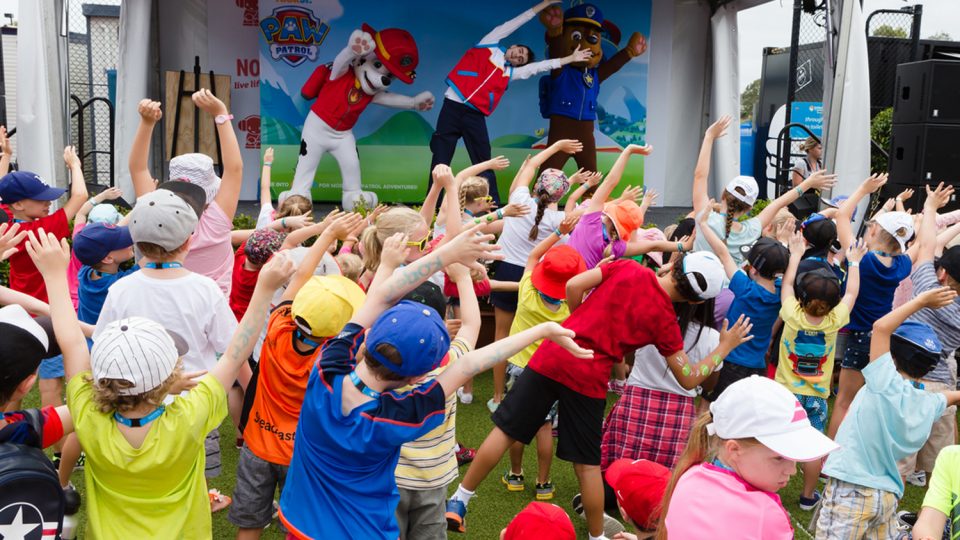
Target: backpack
30,491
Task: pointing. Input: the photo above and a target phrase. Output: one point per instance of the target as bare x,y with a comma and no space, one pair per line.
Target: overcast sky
763,26
769,26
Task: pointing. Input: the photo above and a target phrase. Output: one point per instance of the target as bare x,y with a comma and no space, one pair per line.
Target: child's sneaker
514,482
906,520
465,455
611,527
616,386
81,461
808,504
456,516
545,491
465,397
917,478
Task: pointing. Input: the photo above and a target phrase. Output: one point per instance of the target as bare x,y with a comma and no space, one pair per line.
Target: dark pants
458,121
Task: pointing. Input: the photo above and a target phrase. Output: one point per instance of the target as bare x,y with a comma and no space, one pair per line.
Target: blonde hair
809,144
158,253
294,205
350,265
887,240
472,188
701,447
396,220
107,396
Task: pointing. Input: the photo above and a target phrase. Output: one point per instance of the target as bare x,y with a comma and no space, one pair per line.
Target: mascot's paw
423,101
361,43
552,19
351,199
637,45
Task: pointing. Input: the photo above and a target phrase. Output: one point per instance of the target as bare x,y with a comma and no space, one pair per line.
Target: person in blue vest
475,86
568,96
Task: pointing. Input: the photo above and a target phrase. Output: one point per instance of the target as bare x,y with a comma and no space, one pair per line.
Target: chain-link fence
93,47
893,37
805,87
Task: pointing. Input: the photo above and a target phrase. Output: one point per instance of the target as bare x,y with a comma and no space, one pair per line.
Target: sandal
218,501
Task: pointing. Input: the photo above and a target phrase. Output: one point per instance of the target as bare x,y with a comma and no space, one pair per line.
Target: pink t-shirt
709,499
211,253
73,269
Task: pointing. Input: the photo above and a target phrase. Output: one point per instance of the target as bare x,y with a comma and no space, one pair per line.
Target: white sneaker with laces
917,478
465,397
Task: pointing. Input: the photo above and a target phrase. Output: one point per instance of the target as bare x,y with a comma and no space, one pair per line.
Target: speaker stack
925,142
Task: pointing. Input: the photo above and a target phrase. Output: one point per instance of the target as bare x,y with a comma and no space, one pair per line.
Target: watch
221,119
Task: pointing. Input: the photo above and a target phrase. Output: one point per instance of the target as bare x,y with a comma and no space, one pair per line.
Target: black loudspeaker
915,203
927,92
925,154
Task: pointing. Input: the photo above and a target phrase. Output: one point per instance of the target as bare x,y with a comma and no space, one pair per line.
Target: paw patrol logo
294,34
590,10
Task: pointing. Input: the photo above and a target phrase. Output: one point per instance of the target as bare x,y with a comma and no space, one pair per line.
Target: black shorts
580,424
506,300
730,374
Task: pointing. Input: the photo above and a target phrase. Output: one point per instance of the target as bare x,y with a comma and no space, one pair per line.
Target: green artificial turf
494,506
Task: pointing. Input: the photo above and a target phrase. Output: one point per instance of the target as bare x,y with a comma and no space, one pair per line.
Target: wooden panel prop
185,138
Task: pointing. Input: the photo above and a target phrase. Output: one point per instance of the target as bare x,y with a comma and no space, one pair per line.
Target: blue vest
572,93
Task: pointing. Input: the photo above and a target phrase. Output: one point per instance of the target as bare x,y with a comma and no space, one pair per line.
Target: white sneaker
465,397
917,478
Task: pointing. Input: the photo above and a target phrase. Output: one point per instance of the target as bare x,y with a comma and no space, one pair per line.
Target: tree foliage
885,30
749,98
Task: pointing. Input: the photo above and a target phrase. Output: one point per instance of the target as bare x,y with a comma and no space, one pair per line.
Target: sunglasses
421,244
488,198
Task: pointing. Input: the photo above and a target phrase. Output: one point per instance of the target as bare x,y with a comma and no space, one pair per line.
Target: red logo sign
251,12
251,125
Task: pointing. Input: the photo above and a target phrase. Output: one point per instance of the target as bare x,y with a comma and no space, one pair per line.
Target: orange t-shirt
282,382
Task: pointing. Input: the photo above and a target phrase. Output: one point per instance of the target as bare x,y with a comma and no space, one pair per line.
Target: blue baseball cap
97,240
584,13
416,331
20,185
919,335
104,213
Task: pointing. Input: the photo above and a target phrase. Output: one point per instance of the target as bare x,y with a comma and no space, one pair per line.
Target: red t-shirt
338,102
244,281
24,276
627,311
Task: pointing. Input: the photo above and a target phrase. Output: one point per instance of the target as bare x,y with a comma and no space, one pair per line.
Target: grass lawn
494,506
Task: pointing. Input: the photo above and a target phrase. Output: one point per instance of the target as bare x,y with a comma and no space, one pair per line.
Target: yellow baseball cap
325,304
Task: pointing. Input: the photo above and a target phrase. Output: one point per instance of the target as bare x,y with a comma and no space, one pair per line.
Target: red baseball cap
558,265
397,50
540,520
640,486
626,216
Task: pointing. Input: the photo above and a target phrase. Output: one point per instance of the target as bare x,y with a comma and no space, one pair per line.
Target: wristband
800,191
853,264
267,163
680,248
500,213
558,233
283,222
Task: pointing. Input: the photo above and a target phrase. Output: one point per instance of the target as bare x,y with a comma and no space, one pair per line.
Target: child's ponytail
735,207
371,248
543,199
699,449
396,220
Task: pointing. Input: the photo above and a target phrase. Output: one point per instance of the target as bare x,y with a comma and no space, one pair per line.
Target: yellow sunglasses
422,244
488,198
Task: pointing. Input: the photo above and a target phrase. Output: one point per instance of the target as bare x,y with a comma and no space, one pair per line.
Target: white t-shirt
192,306
650,368
265,217
515,240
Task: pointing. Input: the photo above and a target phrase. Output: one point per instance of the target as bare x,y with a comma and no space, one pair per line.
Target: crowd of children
340,349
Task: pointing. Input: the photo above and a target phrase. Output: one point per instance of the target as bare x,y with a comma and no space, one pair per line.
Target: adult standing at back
808,203
476,85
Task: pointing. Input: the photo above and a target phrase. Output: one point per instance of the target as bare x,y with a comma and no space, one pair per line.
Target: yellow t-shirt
944,491
807,350
531,311
431,461
157,490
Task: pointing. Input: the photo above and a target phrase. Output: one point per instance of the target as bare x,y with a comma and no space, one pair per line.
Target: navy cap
585,14
417,333
97,240
920,335
950,261
428,294
20,185
768,257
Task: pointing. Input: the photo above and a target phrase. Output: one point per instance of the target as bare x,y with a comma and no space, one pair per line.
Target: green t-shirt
944,491
138,492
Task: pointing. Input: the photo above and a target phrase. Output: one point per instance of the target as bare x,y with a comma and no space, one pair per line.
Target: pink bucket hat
196,169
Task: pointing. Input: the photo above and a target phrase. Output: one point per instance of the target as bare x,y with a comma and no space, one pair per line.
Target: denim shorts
52,368
857,355
816,409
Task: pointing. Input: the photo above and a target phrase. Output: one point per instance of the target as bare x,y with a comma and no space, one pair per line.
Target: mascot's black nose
386,80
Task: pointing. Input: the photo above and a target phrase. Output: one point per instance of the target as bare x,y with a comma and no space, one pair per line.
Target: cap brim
804,444
49,194
180,343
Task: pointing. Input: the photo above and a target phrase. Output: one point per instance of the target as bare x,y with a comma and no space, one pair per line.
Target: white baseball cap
749,186
705,273
196,169
898,224
137,350
760,408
